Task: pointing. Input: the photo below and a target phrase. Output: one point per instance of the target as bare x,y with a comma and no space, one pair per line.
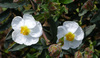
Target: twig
47,41
32,5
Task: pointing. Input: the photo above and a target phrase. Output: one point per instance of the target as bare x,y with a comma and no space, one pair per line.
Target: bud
88,53
78,54
54,50
53,6
88,5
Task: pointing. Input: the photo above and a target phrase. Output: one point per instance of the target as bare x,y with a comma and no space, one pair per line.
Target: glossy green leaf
8,1
89,29
53,30
12,5
4,15
8,40
16,47
96,17
37,46
66,1
6,24
28,11
83,12
43,42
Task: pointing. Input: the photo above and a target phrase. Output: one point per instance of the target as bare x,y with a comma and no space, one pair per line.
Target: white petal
29,20
66,45
31,40
17,37
71,26
61,32
17,22
79,34
74,44
37,30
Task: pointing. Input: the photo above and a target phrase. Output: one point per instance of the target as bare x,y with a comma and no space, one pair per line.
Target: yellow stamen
70,36
25,30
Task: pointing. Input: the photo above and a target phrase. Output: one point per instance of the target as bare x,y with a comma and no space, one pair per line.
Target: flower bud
78,54
88,5
88,53
54,50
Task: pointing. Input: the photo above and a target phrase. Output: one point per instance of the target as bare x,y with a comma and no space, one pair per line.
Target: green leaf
31,56
44,53
16,47
96,17
37,46
12,5
8,40
47,32
4,15
53,30
28,11
89,29
66,1
39,17
9,35
43,42
6,24
95,56
8,1
82,12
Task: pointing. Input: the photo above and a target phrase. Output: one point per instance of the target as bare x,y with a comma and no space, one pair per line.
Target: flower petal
17,22
17,37
66,44
74,44
71,26
37,30
79,34
31,40
29,20
61,32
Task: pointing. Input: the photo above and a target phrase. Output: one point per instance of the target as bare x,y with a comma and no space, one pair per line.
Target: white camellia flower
26,30
72,33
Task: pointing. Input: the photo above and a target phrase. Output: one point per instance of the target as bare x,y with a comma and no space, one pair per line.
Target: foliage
51,14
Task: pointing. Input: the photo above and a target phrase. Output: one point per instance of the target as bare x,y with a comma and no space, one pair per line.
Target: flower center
70,36
25,30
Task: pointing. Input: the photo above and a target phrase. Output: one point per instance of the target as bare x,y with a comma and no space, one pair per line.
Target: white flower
26,30
72,33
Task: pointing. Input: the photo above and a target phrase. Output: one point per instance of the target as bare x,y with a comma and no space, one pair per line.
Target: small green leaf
28,11
53,30
96,17
8,40
4,15
89,29
6,24
82,12
12,5
8,1
43,42
37,46
9,35
66,1
16,47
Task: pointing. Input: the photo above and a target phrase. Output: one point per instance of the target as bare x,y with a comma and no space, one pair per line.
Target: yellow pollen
70,36
25,30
